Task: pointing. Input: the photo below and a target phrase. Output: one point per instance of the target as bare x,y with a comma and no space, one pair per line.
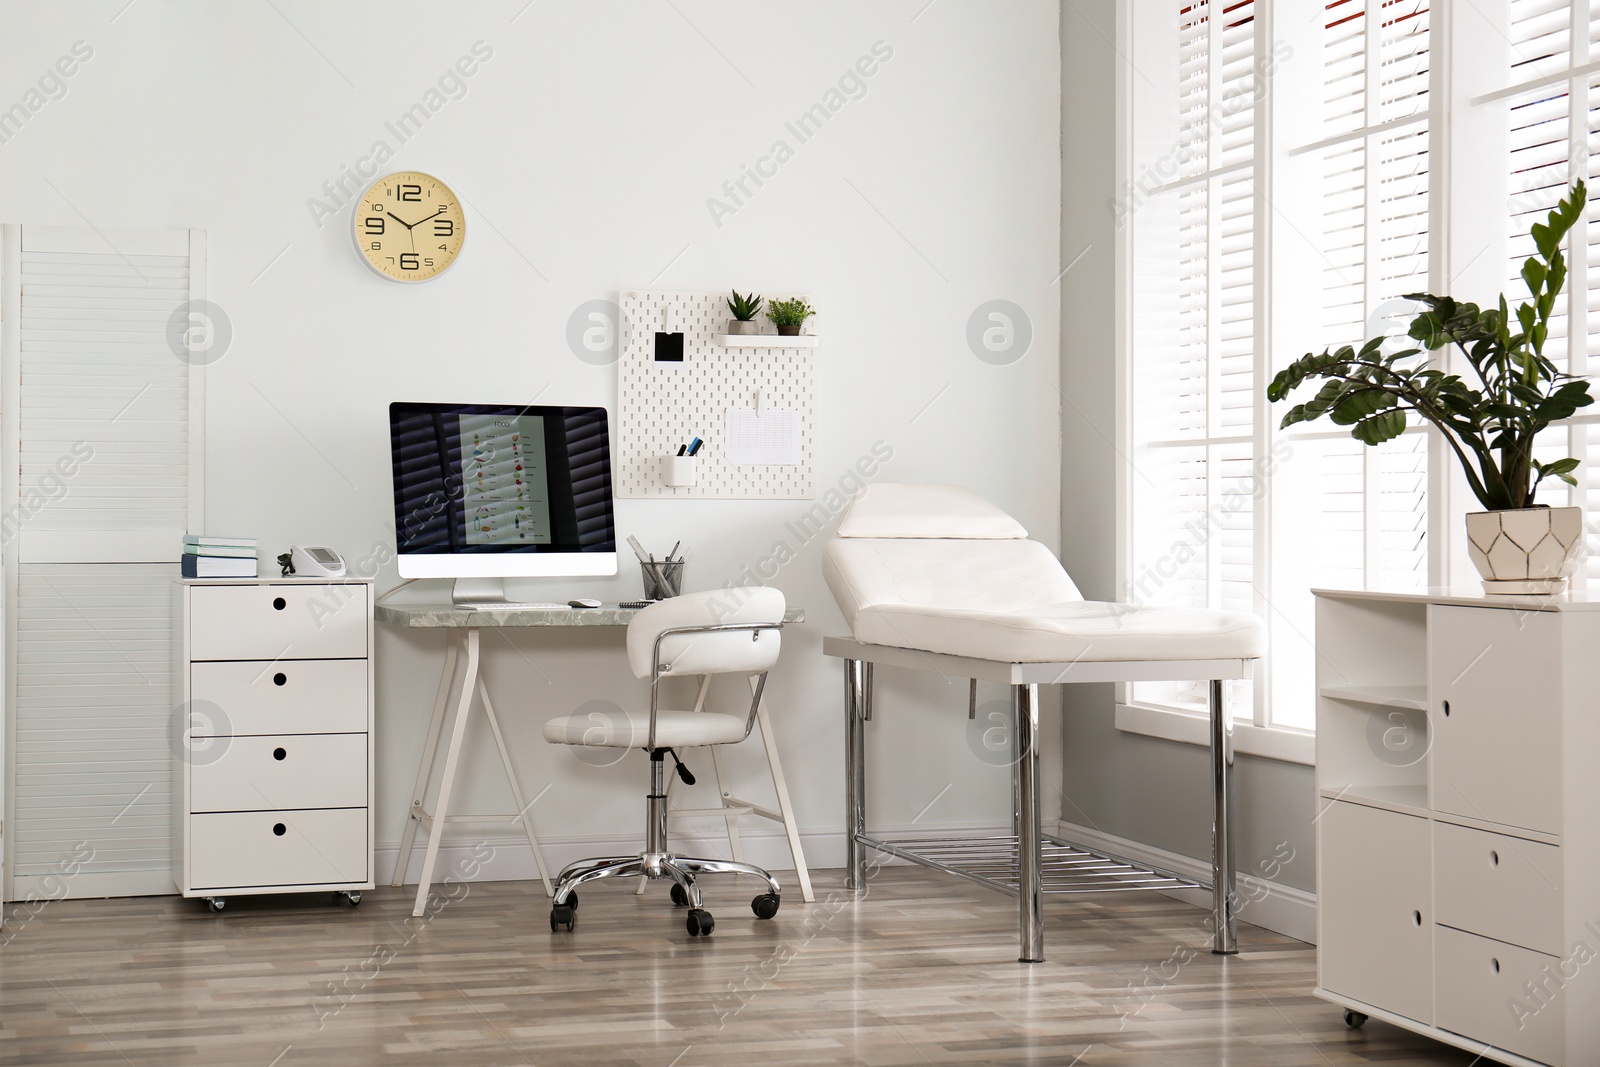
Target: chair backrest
738,651
938,546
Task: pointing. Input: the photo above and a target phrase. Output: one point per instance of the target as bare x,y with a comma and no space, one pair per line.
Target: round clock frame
392,250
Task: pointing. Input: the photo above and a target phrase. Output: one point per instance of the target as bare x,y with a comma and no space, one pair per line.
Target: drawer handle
1416,917
279,754
278,829
280,678
1494,964
279,603
1494,858
1446,707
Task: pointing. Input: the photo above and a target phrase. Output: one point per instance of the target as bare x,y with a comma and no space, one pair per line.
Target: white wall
586,148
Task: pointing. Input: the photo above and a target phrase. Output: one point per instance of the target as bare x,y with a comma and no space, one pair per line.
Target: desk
466,625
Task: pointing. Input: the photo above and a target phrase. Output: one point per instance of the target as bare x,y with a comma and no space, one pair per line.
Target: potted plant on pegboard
789,315
744,310
1490,424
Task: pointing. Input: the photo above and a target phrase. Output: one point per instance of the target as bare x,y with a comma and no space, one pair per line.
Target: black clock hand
400,220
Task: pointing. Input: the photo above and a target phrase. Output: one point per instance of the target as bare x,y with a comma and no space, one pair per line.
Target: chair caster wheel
562,918
700,923
765,906
217,903
352,898
1354,1019
679,896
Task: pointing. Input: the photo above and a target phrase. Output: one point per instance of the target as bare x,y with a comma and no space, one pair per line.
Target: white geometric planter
1529,550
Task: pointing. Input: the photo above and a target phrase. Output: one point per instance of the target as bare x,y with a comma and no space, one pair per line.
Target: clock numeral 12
409,194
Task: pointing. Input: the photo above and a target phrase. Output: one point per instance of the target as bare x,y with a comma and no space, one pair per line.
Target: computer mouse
584,602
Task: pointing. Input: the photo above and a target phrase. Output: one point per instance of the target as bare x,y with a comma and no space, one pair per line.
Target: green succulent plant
789,312
1491,426
744,308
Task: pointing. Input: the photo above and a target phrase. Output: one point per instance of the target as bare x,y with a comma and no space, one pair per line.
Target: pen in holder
662,579
678,470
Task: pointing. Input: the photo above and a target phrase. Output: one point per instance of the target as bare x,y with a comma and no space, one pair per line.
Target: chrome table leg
1025,772
1226,940
855,775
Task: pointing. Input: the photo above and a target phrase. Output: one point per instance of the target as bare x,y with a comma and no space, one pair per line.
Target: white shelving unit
273,780
1458,866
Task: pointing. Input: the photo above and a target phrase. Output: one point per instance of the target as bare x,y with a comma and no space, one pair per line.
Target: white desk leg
469,685
425,771
523,814
781,786
735,844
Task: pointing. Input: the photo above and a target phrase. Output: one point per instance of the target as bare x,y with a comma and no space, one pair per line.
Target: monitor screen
502,490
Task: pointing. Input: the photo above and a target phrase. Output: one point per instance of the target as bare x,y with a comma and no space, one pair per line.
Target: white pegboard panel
664,405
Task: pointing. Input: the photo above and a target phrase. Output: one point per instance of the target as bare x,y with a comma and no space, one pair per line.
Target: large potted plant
1490,423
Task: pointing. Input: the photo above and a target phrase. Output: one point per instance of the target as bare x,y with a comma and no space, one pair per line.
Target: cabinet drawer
1374,909
1495,692
1481,995
1498,886
282,772
282,697
277,621
293,848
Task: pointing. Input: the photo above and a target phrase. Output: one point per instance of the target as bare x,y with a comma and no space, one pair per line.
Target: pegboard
664,405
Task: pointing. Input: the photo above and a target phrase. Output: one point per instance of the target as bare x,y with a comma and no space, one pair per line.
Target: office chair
696,634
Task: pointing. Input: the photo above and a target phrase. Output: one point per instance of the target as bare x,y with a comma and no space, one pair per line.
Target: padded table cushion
674,729
1011,601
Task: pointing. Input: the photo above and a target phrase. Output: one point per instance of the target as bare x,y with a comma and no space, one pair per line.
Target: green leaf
1533,273
1380,428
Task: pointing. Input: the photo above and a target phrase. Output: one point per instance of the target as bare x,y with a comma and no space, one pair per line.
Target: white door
101,433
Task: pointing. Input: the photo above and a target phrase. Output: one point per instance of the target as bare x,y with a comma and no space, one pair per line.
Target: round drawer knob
278,829
280,678
279,603
279,754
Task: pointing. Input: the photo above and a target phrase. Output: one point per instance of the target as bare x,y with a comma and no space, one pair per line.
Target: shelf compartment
1410,697
1411,799
766,340
1065,868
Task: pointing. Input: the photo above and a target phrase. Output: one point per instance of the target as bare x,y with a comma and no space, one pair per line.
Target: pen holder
662,580
678,470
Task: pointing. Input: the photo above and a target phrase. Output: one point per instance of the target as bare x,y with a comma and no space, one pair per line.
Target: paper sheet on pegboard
769,436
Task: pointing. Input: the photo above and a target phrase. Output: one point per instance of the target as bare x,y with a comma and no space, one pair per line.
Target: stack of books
218,557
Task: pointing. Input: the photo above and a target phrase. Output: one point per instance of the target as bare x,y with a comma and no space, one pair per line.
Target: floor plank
920,970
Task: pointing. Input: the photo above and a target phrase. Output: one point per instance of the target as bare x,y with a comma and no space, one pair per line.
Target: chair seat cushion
1065,632
674,729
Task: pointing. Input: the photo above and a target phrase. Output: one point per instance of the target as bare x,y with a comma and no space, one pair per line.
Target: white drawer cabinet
1458,862
273,769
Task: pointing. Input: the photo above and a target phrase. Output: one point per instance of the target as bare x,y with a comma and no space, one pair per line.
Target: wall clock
409,226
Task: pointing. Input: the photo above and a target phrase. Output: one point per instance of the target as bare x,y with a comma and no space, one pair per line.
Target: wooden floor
919,971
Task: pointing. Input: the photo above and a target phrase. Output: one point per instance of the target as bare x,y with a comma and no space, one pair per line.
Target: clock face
409,226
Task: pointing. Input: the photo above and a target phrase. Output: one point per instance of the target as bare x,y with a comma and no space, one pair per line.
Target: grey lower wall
1148,790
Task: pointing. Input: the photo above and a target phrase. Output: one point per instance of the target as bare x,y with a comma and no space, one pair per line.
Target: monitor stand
479,591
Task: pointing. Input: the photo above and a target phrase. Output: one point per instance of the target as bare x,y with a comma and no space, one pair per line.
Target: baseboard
510,859
1280,908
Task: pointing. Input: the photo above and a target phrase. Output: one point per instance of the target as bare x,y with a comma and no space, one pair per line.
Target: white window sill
1288,746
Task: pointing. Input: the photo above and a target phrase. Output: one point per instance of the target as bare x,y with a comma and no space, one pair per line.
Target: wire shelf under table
1064,868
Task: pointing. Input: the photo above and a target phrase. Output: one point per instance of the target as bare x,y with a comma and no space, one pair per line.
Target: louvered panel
98,371
94,703
1344,67
1540,145
1402,513
1540,36
1403,51
1194,92
1234,124
1402,213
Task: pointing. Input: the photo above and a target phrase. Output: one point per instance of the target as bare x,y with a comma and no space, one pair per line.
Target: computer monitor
485,492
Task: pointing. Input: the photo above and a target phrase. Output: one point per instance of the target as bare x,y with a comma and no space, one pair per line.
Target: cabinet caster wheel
1354,1019
679,897
217,903
700,923
562,918
352,898
765,906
